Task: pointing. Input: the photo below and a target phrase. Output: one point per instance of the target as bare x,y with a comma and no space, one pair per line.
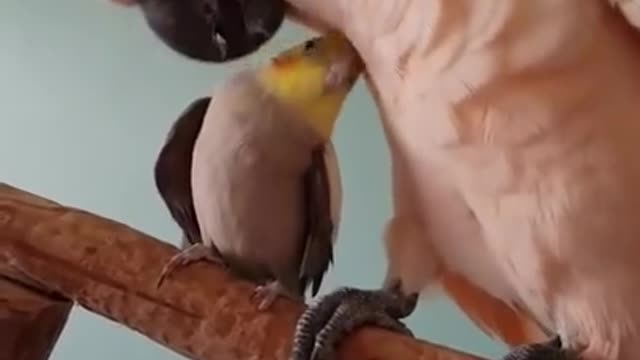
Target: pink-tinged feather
526,113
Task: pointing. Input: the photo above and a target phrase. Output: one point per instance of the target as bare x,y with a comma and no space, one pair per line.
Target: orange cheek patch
283,62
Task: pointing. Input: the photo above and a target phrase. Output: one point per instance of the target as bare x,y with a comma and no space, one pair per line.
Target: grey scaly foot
551,350
191,254
268,293
332,317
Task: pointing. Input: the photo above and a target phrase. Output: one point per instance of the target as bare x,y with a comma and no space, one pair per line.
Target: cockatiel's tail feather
172,171
496,318
323,199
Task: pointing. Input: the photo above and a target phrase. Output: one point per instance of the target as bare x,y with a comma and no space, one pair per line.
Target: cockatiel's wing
335,187
630,9
492,315
172,170
323,195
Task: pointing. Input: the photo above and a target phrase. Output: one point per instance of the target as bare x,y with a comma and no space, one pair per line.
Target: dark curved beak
214,30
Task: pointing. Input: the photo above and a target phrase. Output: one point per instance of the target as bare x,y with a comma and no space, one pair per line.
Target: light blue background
87,96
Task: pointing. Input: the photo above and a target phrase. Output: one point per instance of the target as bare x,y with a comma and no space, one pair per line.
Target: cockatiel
263,193
514,129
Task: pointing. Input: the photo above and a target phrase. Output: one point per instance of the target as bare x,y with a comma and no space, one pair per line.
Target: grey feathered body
249,163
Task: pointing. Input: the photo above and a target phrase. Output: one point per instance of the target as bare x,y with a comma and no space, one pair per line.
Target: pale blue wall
87,97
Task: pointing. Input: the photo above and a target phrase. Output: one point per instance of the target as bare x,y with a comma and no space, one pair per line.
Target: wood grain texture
201,312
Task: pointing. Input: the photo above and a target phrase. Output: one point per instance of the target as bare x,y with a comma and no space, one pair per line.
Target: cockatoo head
212,30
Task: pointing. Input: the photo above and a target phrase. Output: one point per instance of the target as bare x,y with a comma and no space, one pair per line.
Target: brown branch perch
30,321
109,268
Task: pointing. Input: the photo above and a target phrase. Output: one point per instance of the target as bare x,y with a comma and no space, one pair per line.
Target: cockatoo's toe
326,322
551,350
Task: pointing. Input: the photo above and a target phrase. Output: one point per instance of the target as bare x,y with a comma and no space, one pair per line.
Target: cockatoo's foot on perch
330,319
193,253
551,350
268,293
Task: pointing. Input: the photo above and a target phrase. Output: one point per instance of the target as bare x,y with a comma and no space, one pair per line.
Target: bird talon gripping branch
268,293
193,253
551,350
326,322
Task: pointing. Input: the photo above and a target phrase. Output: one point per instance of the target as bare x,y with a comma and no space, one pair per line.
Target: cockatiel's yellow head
314,78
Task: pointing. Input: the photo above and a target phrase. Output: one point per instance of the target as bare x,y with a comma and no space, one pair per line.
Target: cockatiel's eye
310,46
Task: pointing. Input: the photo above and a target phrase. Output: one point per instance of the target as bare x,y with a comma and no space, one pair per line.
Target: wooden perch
30,321
111,269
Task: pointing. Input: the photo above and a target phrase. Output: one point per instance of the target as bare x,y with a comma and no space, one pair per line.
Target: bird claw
191,254
551,350
331,318
268,293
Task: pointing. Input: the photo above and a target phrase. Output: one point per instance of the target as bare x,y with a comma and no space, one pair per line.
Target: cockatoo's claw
551,350
326,322
187,256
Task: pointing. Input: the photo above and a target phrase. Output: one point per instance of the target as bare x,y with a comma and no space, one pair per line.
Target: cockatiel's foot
551,350
332,317
193,253
268,293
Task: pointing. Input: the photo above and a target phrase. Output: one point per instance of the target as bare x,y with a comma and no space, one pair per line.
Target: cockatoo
514,131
